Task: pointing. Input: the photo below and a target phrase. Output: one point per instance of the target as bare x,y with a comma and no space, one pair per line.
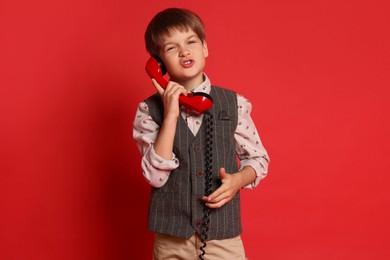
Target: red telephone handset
197,102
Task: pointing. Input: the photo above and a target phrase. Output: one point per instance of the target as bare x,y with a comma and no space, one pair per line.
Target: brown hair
168,20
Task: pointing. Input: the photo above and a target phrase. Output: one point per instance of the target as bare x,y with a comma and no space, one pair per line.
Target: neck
191,83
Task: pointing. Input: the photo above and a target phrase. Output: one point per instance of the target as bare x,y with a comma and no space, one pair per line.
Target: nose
184,52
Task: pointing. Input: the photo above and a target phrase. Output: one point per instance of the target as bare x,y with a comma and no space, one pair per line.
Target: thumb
222,173
157,86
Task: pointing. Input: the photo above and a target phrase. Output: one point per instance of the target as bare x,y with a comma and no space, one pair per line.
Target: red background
72,74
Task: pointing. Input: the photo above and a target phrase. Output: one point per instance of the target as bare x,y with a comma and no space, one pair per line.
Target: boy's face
184,56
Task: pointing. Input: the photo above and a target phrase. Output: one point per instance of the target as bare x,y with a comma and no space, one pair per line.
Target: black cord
208,181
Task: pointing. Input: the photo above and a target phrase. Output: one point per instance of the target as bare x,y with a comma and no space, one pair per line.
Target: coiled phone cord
208,181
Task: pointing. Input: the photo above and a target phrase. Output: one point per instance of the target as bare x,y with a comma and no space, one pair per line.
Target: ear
205,49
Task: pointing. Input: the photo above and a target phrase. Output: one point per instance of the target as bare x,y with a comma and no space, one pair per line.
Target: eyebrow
188,38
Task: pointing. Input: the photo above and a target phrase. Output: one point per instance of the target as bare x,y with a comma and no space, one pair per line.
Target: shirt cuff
160,163
155,169
259,169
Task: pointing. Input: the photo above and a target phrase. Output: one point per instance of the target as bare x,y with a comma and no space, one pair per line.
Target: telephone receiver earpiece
197,102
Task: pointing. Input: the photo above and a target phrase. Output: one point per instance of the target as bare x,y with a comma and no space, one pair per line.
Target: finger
171,95
219,201
217,204
177,90
173,87
158,86
218,195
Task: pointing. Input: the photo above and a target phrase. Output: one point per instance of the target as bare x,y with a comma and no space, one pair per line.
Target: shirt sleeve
155,169
249,147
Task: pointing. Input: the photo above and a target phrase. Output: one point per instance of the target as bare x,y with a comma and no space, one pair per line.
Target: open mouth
187,63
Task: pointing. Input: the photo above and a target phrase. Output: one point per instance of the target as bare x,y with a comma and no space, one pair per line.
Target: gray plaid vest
175,209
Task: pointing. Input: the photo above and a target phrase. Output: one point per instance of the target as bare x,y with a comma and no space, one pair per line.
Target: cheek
170,66
168,61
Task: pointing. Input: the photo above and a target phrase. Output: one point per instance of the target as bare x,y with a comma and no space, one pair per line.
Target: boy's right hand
170,97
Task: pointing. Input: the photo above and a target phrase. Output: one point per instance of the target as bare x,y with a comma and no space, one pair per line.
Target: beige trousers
173,248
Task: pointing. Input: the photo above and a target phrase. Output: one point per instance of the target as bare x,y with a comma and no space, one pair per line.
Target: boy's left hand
231,184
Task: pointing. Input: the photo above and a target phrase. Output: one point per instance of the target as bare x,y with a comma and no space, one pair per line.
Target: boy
172,141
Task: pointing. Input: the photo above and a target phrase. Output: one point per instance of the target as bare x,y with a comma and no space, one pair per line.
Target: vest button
199,174
198,223
197,148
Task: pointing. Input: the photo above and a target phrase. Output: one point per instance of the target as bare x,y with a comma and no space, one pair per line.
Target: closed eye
169,48
192,41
